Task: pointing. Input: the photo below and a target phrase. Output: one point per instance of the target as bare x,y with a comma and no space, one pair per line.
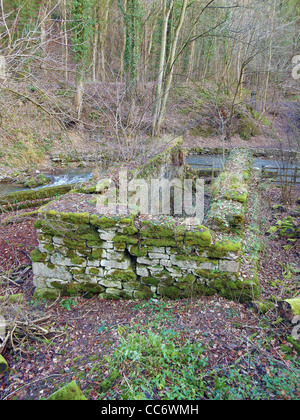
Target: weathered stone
49,271
156,256
121,265
93,263
142,271
166,263
114,255
229,266
95,271
58,241
40,282
108,245
208,266
110,284
156,270
187,264
147,261
58,259
107,235
158,250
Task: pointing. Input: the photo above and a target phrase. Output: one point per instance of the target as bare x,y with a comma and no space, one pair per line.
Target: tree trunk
79,96
65,37
162,62
172,64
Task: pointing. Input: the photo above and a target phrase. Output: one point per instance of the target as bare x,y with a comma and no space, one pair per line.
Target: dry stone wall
123,254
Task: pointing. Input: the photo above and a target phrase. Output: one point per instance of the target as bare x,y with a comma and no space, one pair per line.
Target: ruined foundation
123,254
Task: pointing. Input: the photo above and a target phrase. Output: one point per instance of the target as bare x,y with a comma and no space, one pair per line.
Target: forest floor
202,347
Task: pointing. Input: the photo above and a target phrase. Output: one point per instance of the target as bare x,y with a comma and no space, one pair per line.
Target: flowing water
279,167
79,175
62,177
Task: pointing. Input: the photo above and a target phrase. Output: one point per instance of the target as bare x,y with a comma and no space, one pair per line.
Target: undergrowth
161,363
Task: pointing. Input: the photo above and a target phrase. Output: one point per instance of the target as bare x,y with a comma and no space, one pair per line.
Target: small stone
142,271
156,256
229,266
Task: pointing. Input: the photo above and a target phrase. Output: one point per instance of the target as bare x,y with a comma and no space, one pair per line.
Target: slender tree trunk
269,62
192,57
78,100
169,79
162,63
95,52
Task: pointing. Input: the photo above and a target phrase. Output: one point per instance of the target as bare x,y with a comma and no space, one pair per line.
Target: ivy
133,18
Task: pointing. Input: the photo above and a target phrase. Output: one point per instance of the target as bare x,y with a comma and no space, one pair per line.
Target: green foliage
68,304
133,19
157,364
274,382
82,25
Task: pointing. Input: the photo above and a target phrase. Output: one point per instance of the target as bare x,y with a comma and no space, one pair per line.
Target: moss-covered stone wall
122,254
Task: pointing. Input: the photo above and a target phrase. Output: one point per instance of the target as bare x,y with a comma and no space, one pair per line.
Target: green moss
159,242
38,256
3,365
221,248
150,281
46,293
189,278
109,381
49,248
171,292
295,343
207,274
155,230
70,392
32,195
202,237
127,221
78,260
91,236
51,266
77,270
145,294
125,239
123,275
38,224
94,271
130,230
236,196
102,222
119,246
138,251
75,218
74,244
97,254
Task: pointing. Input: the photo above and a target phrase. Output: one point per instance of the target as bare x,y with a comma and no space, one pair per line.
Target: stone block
120,265
229,266
142,271
51,271
147,261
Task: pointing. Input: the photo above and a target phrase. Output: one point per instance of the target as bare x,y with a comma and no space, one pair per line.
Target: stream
61,177
279,167
79,175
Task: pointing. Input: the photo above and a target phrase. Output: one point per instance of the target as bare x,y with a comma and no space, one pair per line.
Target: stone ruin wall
132,256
